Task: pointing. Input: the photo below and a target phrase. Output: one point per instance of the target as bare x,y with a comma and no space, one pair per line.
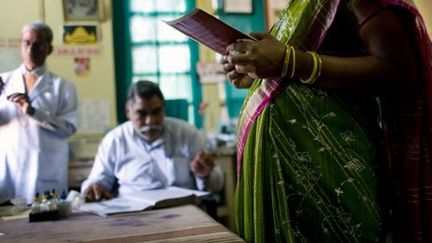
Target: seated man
150,151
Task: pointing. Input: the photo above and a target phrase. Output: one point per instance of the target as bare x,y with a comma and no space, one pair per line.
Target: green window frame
153,54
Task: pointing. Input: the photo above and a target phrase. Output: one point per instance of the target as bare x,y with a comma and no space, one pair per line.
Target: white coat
34,149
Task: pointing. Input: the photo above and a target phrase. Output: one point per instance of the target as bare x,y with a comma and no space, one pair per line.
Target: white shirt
124,158
34,150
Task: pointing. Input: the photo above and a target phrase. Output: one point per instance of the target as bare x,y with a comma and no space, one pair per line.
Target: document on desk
208,30
143,200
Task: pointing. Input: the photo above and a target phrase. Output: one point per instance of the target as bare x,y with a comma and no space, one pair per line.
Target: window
152,50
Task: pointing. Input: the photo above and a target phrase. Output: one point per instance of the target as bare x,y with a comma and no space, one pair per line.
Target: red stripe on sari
410,150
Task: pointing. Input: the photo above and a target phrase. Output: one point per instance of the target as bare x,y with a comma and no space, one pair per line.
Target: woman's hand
259,59
240,81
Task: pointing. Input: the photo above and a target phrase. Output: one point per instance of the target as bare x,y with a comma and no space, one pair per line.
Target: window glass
174,58
152,78
143,28
144,59
160,53
145,6
176,86
168,33
171,6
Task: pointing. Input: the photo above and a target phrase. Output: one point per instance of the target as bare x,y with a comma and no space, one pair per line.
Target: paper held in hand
208,30
144,200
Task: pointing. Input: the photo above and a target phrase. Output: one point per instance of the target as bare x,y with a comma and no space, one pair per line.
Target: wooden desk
80,169
178,224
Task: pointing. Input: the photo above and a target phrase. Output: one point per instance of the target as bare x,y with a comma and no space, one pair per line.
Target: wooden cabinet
225,212
79,170
83,149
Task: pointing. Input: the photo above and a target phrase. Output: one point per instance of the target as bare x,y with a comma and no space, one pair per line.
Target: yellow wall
425,8
99,84
210,92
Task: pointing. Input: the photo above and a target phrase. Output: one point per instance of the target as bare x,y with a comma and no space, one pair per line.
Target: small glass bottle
36,203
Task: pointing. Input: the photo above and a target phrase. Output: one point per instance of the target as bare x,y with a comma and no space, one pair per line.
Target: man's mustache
151,128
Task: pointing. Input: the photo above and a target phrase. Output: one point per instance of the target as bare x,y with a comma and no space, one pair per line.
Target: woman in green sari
309,150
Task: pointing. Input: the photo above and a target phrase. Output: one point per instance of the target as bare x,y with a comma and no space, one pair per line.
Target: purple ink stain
128,222
170,216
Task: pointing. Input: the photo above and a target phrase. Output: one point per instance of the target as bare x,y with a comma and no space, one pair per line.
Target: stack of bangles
290,58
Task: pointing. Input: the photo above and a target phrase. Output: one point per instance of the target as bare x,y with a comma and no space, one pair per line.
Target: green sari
305,164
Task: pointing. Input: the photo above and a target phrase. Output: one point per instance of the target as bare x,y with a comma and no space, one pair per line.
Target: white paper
116,205
138,201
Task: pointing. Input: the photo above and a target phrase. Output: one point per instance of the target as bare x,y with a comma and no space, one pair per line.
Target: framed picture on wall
80,34
238,6
83,10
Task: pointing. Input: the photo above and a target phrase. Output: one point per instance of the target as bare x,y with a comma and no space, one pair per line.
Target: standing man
38,112
150,151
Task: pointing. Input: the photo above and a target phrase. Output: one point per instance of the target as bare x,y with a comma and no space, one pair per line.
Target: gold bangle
286,61
316,71
319,67
293,61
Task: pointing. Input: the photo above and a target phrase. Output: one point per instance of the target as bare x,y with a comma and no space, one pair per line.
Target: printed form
208,30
